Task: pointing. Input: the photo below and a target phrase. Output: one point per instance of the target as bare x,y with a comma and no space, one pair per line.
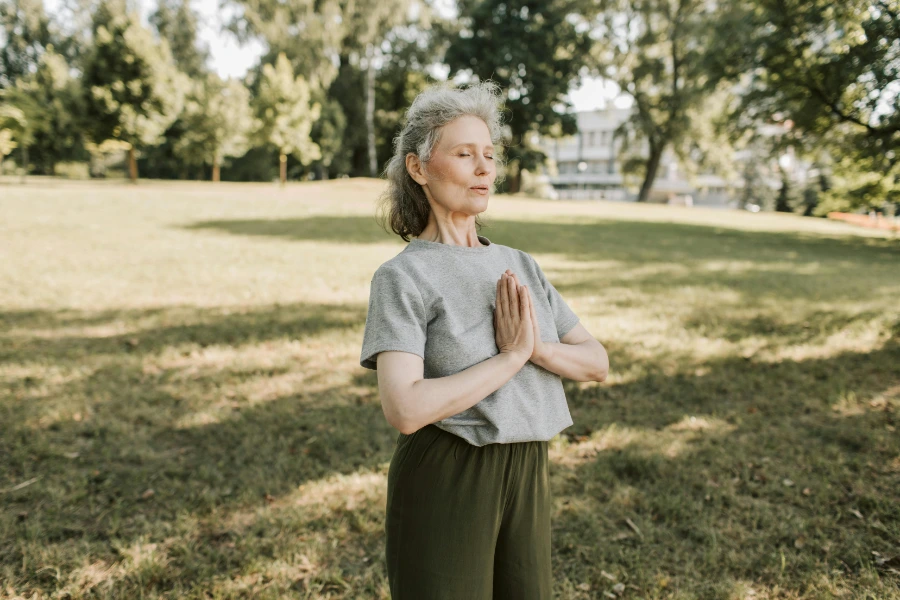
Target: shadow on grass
156,329
589,239
712,509
773,265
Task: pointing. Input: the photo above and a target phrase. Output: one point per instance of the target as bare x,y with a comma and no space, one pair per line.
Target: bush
73,170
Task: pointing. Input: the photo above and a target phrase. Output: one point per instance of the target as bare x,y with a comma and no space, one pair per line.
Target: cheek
450,171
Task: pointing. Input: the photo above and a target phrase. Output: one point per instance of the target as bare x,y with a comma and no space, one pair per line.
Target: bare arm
410,401
577,356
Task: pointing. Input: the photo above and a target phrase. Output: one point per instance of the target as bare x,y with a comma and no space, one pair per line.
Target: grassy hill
183,414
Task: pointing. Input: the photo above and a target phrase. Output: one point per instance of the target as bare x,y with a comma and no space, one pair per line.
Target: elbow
398,417
602,371
404,425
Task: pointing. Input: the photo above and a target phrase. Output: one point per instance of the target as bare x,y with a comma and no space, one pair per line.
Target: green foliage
132,90
176,23
217,121
654,51
52,99
12,124
25,30
534,51
284,110
831,68
309,33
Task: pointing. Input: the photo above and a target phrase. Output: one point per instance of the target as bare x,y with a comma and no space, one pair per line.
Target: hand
540,347
513,329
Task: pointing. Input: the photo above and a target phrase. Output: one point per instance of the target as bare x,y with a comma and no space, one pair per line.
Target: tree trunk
370,111
215,174
652,167
781,204
24,162
283,159
132,165
515,181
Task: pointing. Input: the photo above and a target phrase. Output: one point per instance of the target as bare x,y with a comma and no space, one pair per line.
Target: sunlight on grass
671,441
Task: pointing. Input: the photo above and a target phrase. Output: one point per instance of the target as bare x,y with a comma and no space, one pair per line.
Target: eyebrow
471,145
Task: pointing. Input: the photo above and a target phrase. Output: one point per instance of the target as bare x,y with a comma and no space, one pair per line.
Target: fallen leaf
856,513
807,491
585,587
788,482
609,576
147,494
619,588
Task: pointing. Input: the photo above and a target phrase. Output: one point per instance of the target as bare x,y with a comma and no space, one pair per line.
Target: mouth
479,187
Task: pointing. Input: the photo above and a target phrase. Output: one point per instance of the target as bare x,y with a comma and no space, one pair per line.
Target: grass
183,415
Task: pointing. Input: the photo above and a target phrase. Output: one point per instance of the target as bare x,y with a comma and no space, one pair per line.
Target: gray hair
436,106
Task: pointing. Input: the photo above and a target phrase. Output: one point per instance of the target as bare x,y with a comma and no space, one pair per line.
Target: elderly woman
469,340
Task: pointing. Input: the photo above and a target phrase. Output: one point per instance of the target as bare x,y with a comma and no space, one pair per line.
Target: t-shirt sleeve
564,316
396,319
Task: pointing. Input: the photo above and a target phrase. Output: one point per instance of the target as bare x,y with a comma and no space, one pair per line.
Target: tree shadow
651,257
250,456
767,460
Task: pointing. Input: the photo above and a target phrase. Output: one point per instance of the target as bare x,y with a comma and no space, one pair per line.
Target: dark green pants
466,522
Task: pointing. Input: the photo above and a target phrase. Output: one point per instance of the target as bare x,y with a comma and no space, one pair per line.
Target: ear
414,168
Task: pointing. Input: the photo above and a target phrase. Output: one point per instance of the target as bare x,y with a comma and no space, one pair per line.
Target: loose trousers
467,522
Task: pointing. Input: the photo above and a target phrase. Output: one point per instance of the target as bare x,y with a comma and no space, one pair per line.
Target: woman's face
461,172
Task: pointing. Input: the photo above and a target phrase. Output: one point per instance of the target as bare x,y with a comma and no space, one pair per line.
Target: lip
480,190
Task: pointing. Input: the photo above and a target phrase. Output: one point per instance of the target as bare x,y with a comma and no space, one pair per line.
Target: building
585,167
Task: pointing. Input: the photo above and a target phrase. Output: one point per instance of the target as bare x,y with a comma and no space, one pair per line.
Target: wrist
543,356
516,357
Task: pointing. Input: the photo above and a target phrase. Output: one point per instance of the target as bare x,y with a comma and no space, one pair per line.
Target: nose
482,166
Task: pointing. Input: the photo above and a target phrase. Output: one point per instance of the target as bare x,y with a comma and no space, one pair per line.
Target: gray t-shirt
436,300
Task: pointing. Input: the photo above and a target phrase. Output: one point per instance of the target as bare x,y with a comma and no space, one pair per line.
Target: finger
503,303
513,296
526,310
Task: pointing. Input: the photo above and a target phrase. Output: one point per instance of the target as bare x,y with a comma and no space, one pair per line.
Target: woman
469,340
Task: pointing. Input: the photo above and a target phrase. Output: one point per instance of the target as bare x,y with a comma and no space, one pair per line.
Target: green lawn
183,414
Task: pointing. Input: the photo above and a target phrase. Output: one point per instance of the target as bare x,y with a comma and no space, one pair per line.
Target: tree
310,33
218,122
653,50
368,24
832,70
176,22
51,99
534,50
12,124
20,116
133,91
25,30
283,107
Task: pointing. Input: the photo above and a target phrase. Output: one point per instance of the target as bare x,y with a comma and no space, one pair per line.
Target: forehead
467,129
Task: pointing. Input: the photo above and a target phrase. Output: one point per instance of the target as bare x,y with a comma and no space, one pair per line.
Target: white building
585,166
